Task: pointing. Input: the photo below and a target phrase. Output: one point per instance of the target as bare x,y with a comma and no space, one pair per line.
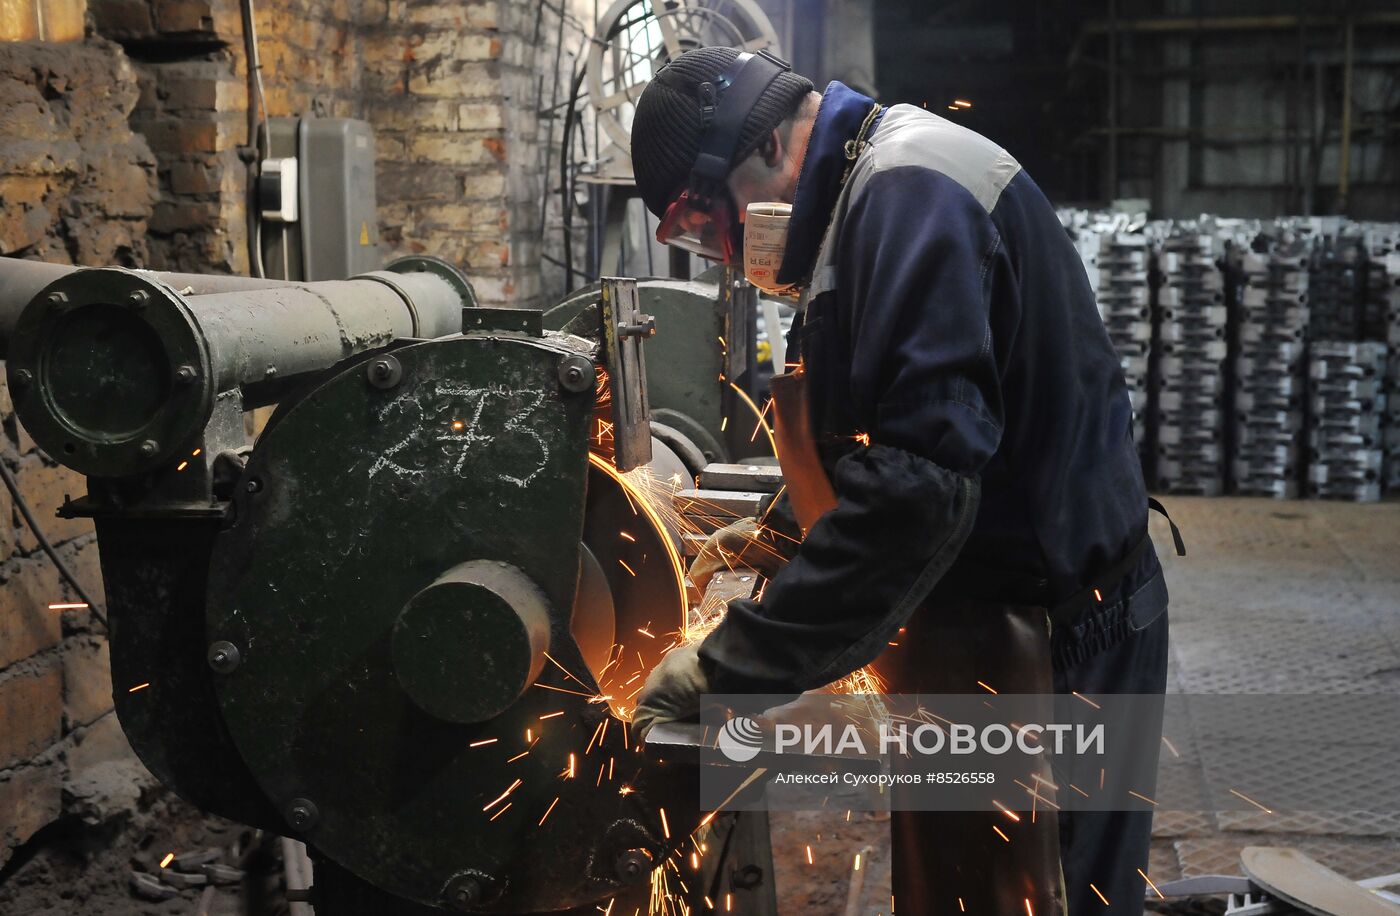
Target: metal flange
110,373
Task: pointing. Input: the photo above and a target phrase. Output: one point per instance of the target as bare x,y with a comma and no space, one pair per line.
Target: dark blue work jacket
949,318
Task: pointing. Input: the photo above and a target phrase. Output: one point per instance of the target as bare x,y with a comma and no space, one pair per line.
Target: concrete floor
1273,597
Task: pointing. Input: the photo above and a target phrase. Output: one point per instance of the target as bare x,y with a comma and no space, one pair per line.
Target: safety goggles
706,226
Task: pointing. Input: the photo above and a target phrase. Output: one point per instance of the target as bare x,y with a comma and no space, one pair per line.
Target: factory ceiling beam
1175,24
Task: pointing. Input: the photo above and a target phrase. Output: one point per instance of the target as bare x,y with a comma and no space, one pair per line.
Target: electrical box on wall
316,199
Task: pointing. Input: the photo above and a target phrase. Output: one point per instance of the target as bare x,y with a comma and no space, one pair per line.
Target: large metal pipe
116,370
21,281
260,338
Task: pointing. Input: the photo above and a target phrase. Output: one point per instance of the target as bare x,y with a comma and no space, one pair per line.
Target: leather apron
949,862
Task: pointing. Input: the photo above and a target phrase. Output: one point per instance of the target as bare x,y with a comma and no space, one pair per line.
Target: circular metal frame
683,25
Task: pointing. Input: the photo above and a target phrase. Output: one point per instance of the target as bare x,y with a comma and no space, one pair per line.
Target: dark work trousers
950,862
1106,848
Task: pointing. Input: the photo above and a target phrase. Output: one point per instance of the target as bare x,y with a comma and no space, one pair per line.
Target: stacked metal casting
1391,432
1191,302
1268,369
1119,265
1337,275
1346,404
1255,368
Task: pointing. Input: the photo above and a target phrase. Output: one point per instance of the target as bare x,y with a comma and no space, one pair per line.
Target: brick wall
76,186
456,94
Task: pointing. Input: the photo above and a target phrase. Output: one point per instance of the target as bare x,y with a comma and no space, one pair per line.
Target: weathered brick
191,135
454,80
31,706
480,116
184,16
486,186
30,798
412,114
458,148
27,625
87,681
101,742
184,215
7,529
405,182
44,488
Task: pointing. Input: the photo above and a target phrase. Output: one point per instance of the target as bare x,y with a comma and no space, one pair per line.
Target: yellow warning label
364,233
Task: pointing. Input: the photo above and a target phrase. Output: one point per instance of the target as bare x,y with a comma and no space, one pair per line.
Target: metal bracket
520,321
624,329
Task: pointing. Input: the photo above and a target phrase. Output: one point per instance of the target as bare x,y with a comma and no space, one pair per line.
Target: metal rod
1112,171
1234,23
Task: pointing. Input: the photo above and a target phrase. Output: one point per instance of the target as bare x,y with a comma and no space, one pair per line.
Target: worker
972,423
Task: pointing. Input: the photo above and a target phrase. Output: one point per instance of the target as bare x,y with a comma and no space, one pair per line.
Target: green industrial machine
398,626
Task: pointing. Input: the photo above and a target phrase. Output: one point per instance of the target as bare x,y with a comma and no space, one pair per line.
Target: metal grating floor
1287,598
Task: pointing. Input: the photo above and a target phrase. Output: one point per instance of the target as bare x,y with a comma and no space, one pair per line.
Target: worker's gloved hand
738,545
672,691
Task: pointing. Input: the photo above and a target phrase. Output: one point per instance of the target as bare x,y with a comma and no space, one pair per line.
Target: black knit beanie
666,128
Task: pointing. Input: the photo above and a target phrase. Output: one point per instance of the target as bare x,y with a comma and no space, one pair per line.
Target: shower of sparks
1086,699
665,826
1098,893
502,797
502,811
809,856
1000,834
985,687
1143,797
629,569
857,865
1029,911
547,810
483,742
1007,811
1150,884
1240,794
627,537
1171,747
772,443
139,687
551,715
169,857
69,606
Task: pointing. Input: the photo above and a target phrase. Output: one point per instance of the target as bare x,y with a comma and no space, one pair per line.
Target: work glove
672,691
738,545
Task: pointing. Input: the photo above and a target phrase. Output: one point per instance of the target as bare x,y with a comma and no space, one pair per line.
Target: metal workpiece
115,372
